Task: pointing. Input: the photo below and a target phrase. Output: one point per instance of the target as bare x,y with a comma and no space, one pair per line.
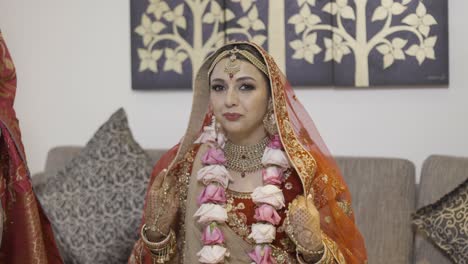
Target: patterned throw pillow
445,223
95,203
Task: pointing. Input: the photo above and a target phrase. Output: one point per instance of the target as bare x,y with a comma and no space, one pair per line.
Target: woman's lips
232,116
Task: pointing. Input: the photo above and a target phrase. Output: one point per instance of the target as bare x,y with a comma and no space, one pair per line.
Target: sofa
384,194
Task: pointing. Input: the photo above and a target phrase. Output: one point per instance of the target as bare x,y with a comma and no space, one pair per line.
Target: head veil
305,148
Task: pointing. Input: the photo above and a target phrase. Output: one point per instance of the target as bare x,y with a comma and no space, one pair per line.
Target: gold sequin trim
302,160
182,170
332,248
239,195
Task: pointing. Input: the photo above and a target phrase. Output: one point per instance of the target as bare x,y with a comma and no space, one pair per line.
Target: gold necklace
245,159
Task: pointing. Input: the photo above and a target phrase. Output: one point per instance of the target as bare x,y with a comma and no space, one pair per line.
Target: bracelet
154,245
325,259
160,251
300,248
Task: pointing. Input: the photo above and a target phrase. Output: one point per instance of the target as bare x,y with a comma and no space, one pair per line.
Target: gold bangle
161,251
154,245
325,259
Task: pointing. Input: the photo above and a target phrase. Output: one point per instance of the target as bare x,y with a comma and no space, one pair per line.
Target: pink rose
213,156
275,157
212,235
212,194
262,255
273,175
275,142
268,214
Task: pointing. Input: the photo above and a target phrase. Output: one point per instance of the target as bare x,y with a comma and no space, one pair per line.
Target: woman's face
240,103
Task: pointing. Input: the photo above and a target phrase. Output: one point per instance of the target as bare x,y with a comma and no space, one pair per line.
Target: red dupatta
27,235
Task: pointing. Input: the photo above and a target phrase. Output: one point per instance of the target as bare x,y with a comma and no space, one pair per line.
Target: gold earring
269,120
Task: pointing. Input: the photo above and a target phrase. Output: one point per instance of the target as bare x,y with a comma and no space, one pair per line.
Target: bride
251,181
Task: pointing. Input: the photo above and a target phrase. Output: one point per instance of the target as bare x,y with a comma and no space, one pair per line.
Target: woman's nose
231,97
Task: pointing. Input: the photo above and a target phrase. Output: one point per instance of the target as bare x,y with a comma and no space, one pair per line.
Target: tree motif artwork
175,33
315,42
401,23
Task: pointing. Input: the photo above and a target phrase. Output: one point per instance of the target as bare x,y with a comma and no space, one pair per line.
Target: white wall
73,66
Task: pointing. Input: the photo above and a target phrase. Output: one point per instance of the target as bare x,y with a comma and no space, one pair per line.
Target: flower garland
212,200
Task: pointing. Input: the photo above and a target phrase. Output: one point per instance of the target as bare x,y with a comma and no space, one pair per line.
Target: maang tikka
269,120
233,64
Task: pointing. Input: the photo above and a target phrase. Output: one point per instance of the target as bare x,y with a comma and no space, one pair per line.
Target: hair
254,52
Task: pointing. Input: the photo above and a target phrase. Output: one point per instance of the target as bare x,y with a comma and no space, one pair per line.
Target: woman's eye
247,87
217,88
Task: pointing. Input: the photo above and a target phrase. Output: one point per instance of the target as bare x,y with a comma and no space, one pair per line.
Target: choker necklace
245,159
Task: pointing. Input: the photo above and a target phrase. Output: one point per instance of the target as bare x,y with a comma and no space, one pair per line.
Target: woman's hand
304,224
161,210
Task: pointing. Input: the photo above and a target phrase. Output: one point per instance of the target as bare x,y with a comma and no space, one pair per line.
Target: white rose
209,212
263,233
208,135
214,173
275,157
212,254
269,194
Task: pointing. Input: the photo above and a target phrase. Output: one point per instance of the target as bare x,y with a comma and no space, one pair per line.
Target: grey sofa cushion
58,157
95,202
439,175
383,193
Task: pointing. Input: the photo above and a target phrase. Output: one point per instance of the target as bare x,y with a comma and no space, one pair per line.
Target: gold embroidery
327,219
182,170
301,159
346,207
324,178
237,221
281,256
332,247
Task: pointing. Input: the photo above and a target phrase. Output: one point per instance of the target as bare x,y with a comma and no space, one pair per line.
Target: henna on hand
304,221
161,208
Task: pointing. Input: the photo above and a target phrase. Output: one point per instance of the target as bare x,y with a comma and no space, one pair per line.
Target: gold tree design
307,24
160,23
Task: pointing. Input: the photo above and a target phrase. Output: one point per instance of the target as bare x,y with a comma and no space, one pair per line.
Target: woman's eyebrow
217,80
245,78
